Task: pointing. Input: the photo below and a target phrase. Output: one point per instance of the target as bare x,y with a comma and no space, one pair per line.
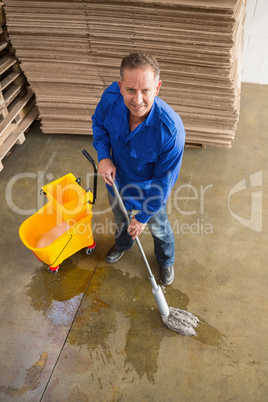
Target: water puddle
96,323
58,296
115,305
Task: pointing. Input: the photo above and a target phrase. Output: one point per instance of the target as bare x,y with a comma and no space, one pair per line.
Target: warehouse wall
255,54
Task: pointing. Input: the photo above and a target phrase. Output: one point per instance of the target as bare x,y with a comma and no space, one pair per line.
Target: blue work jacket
147,159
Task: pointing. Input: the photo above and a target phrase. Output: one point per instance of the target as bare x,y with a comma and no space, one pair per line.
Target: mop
178,320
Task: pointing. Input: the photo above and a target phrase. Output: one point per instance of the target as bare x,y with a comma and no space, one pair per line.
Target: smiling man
140,142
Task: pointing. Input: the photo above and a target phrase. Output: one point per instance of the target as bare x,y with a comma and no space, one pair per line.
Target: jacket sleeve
101,135
166,172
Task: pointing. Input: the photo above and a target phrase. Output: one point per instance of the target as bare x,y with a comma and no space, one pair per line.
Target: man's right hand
107,170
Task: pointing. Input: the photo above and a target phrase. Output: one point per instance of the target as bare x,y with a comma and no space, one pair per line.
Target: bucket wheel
53,270
90,249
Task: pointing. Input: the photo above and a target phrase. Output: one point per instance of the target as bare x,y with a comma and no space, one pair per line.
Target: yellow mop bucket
62,226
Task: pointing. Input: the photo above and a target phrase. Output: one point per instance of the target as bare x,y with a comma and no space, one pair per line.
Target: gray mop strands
181,321
178,320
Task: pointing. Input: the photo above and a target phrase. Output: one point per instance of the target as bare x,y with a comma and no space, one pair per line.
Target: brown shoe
114,255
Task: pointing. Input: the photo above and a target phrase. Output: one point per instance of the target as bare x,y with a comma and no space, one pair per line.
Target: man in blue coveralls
140,143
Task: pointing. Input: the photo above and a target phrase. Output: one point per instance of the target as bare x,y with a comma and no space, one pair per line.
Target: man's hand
107,170
135,228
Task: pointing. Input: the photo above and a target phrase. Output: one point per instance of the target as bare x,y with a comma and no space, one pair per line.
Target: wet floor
93,332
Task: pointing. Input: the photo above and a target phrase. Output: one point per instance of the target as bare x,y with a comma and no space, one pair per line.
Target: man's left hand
135,228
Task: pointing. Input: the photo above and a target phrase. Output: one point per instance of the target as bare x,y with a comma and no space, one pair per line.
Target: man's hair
140,60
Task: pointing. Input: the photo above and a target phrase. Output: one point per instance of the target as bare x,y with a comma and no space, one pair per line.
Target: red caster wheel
53,270
90,249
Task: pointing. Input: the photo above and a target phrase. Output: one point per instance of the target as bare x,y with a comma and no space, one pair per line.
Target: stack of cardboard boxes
71,51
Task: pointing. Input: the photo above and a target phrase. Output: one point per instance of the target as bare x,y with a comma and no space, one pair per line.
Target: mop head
181,321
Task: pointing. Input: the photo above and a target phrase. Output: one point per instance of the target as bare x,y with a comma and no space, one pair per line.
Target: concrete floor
93,332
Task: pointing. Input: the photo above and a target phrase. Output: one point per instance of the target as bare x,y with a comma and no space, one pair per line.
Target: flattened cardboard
71,51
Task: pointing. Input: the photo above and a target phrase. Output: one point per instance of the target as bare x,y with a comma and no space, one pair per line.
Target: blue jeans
159,226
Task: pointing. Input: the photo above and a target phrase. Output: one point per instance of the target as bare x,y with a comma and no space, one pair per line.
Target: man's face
139,88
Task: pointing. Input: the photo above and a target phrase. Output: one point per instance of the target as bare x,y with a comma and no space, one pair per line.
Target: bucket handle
91,160
61,250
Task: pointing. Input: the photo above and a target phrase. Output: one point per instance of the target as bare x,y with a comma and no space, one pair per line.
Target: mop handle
123,208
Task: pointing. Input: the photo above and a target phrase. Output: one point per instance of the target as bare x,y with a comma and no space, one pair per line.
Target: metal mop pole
157,291
175,319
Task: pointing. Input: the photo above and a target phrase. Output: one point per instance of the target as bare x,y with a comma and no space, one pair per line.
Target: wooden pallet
17,101
17,135
13,118
2,14
192,145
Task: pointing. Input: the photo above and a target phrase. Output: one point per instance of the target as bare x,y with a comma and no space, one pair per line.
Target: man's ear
120,86
158,88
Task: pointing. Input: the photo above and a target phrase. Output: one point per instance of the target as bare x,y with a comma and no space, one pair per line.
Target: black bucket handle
91,160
